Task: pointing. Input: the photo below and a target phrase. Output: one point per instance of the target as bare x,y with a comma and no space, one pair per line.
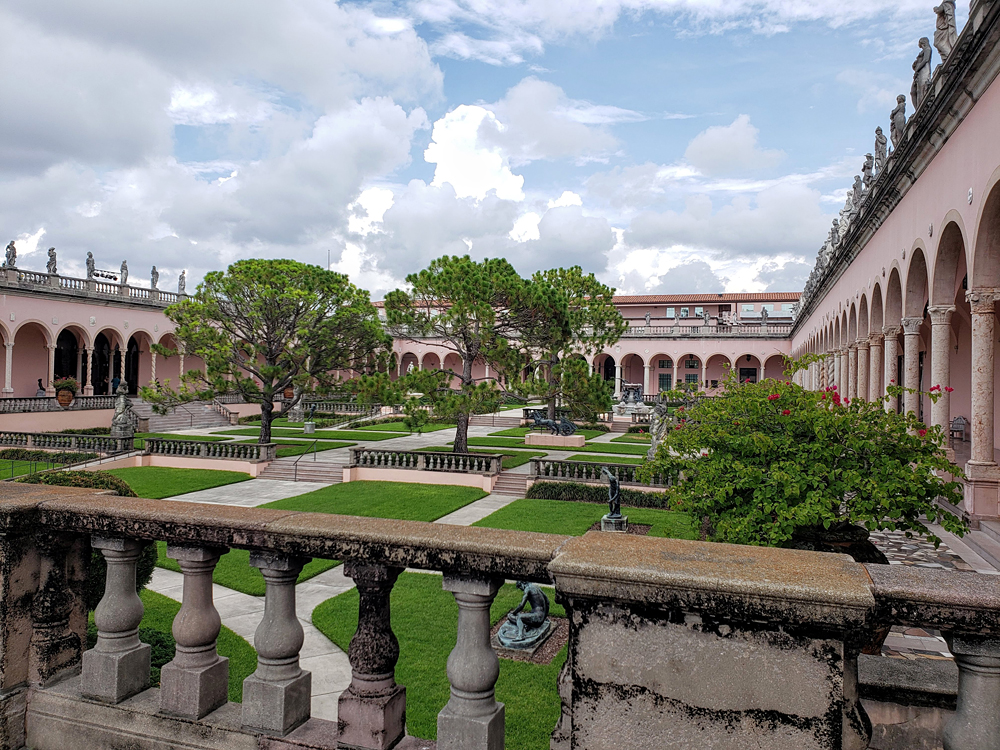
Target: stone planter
289,394
65,397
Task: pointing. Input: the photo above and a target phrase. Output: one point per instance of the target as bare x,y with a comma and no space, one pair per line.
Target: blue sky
666,145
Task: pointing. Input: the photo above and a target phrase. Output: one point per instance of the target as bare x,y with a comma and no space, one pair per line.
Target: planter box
554,441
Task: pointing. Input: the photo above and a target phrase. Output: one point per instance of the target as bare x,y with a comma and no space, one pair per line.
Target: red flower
786,412
833,387
922,432
934,388
774,397
823,396
949,388
677,427
847,401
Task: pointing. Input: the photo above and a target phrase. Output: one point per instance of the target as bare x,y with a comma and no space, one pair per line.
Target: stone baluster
196,681
976,723
941,363
862,380
276,698
911,363
372,711
472,719
118,666
875,387
891,357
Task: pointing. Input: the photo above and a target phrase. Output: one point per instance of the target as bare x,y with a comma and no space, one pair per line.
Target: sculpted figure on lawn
524,630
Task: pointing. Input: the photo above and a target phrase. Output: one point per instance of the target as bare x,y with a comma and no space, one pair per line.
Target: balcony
709,645
74,288
754,330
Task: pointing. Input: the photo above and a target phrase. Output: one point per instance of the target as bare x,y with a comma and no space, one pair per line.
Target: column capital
853,346
876,339
982,300
862,343
911,326
892,330
940,314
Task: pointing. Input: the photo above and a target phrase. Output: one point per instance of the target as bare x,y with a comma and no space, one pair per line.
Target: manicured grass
617,448
511,459
616,459
398,500
401,427
364,434
10,469
299,447
328,434
498,442
632,438
522,431
157,482
155,629
567,517
528,690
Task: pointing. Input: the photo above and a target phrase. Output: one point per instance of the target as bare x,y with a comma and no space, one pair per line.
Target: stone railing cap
793,585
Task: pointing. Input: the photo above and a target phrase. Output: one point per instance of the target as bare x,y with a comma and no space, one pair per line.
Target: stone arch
30,359
405,360
852,325
685,371
430,361
875,319
948,261
986,256
633,369
662,371
863,330
717,369
893,299
916,284
774,367
749,367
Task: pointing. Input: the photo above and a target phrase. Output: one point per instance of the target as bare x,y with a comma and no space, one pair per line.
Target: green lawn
398,500
297,448
401,427
567,517
522,431
178,436
511,459
617,459
10,469
632,438
527,690
634,449
328,434
155,629
498,442
157,482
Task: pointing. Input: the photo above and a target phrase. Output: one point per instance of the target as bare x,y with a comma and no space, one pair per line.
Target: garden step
188,416
620,426
991,529
489,420
307,471
512,484
984,544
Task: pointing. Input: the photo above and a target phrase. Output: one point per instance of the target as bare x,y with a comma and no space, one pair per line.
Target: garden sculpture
614,494
524,630
11,260
658,423
122,423
124,273
50,266
562,427
90,265
182,283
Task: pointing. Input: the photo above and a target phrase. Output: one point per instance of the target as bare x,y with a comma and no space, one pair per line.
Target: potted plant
66,390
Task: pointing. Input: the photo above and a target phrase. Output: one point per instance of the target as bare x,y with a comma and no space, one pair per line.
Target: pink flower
934,388
774,397
922,432
822,396
847,401
948,388
786,412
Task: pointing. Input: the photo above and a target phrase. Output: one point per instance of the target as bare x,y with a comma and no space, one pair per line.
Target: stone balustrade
341,407
253,452
549,469
603,416
776,330
488,464
670,642
66,442
49,403
220,407
37,281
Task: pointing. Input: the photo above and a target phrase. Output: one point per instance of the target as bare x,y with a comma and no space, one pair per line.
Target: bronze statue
614,494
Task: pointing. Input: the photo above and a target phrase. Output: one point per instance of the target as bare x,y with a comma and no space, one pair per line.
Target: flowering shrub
761,460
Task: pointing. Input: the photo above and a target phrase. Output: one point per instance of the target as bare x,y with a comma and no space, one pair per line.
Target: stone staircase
187,416
620,426
509,483
307,470
986,542
494,420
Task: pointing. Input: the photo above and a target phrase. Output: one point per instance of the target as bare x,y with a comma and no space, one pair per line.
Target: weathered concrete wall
56,421
369,474
184,462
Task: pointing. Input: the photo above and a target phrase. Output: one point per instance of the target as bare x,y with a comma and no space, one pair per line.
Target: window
691,378
715,383
788,307
691,364
669,313
684,312
747,308
699,311
666,364
769,308
666,381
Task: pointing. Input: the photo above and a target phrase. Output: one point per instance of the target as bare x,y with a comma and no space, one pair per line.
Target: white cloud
878,91
461,160
374,202
568,198
525,228
730,150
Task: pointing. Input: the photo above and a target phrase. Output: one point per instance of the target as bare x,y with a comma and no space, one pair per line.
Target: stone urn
289,394
65,397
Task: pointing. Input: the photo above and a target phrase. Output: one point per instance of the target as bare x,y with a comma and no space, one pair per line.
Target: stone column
196,681
372,711
20,579
49,388
976,723
152,367
983,343
276,698
88,387
180,372
941,363
891,355
118,666
472,718
618,380
838,370
79,364
862,381
875,388
677,374
911,363
704,374
852,371
8,389
645,379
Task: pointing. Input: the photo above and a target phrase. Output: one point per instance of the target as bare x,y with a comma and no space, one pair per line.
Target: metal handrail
295,464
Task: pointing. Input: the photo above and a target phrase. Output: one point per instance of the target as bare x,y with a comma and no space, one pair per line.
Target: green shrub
26,454
98,480
639,429
588,493
595,426
250,418
85,431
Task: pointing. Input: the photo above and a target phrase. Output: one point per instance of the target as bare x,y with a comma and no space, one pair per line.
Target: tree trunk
553,387
462,431
266,415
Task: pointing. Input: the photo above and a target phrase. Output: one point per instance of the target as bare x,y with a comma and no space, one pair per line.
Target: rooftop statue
834,237
11,260
897,121
857,193
524,630
880,150
845,213
921,73
154,278
868,170
50,265
647,320
90,265
182,283
124,279
946,33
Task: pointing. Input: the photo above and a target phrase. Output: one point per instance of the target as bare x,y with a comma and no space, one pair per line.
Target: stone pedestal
194,692
381,717
276,706
554,441
309,428
610,523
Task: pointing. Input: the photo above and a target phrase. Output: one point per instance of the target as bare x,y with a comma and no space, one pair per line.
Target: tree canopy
266,325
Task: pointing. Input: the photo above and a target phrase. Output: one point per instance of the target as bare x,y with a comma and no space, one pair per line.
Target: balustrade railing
255,452
462,463
219,407
340,407
49,403
66,441
590,471
724,331
639,608
15,277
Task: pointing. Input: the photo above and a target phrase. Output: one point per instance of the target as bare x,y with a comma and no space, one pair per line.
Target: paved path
251,493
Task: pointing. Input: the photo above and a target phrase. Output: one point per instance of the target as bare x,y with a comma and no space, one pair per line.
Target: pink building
671,338
908,293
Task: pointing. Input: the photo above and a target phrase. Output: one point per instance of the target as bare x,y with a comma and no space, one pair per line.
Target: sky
668,146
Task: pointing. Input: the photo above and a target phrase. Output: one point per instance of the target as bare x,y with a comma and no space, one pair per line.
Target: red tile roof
677,299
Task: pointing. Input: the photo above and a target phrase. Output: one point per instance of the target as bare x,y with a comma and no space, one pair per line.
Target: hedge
26,454
588,493
86,431
595,426
99,480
